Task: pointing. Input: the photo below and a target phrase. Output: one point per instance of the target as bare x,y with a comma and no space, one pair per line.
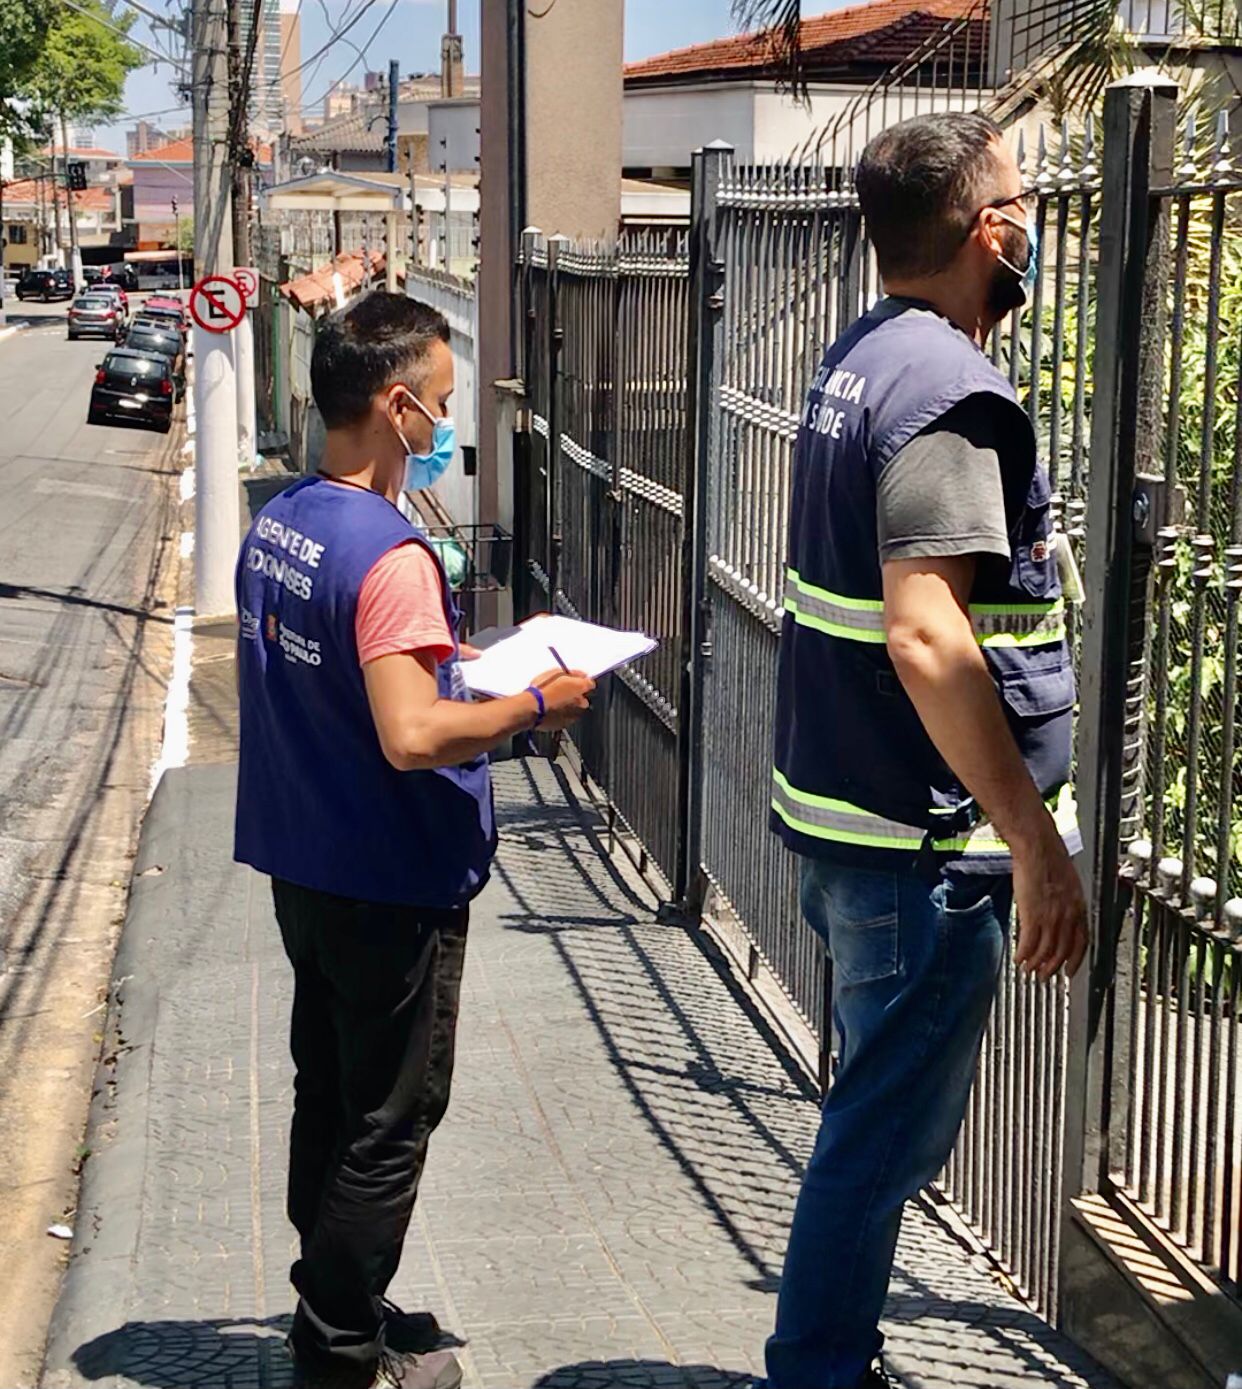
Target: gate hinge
1157,505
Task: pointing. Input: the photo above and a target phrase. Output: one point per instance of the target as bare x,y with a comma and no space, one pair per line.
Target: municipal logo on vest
272,629
1040,551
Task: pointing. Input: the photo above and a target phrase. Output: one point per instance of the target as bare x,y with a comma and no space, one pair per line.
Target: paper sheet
511,665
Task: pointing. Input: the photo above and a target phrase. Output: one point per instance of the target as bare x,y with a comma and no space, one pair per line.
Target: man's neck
959,304
348,458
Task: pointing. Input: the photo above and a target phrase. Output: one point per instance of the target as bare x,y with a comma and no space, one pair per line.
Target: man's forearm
451,731
948,682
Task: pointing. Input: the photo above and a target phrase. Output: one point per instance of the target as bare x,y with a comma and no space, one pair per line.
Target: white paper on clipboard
514,663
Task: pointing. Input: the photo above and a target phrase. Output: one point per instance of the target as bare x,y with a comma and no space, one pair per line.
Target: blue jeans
914,971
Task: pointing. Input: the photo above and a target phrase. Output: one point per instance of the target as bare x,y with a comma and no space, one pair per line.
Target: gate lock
1158,505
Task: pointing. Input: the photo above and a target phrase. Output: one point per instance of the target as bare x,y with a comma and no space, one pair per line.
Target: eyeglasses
1027,201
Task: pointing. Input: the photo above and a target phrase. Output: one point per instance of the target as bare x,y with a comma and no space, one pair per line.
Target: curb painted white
176,745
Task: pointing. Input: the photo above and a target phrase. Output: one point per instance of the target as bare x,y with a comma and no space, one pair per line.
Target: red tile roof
182,152
25,192
880,31
176,152
82,152
308,291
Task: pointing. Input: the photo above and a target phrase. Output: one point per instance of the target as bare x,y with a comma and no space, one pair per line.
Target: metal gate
602,499
665,379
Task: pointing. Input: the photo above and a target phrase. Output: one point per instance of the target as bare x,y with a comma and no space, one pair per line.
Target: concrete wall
453,135
456,492
574,57
664,126
155,186
495,255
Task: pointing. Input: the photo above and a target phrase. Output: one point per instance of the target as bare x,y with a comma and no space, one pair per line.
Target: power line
362,53
126,35
339,34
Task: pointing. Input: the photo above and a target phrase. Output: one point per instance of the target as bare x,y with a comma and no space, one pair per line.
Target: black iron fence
602,499
665,379
1175,1124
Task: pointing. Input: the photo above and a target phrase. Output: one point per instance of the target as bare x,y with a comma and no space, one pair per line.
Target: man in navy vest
364,794
923,720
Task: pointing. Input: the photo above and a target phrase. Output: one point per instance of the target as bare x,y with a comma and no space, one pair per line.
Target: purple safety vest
318,804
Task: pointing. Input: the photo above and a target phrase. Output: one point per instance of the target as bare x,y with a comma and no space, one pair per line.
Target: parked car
133,386
45,285
165,306
114,289
96,316
153,335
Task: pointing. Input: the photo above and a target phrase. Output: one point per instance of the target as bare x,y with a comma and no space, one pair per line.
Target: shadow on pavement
190,1354
642,1374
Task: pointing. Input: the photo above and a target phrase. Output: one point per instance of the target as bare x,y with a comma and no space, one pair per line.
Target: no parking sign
217,304
248,282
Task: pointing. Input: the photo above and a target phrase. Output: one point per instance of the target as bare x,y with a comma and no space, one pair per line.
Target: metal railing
601,505
1177,1145
666,388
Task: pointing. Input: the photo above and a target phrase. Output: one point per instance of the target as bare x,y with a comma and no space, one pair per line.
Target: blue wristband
538,693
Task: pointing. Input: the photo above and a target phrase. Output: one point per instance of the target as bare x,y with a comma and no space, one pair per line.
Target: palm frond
781,22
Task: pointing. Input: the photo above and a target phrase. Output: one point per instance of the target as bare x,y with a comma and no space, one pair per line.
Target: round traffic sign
217,304
247,282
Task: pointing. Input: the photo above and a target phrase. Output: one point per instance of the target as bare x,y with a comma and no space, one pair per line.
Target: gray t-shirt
942,493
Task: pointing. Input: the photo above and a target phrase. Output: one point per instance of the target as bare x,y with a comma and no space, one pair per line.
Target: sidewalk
605,1205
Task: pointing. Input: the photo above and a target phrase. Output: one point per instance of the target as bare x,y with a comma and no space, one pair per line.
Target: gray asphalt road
88,519
82,515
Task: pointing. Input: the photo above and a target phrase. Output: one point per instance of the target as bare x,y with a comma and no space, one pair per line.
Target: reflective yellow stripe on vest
823,817
862,619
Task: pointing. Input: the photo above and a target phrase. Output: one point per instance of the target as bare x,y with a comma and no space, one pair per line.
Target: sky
412,36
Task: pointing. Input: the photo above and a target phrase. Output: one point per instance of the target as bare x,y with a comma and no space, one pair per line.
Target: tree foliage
24,26
80,72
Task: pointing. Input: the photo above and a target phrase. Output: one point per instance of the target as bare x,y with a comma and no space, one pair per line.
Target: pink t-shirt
400,607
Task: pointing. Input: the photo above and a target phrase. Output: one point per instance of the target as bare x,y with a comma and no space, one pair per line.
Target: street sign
217,304
248,282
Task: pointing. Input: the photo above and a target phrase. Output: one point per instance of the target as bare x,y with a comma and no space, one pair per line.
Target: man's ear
987,230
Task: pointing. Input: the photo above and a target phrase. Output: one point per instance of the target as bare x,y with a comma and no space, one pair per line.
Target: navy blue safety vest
318,804
856,776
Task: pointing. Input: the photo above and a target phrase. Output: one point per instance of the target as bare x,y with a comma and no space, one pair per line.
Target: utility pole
75,253
177,233
241,67
58,237
394,79
216,512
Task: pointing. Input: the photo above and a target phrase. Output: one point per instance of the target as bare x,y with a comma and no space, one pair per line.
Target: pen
557,656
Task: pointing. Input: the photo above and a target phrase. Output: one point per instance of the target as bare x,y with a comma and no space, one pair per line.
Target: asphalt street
87,560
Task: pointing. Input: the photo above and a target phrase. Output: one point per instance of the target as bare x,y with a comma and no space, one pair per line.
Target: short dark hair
360,350
919,185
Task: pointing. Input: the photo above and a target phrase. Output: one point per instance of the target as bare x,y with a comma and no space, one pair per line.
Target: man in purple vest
363,793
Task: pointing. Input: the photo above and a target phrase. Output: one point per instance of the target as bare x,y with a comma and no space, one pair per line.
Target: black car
133,385
96,316
149,335
45,285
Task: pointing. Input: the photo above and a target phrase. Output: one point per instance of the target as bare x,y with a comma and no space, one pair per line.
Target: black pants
374,1019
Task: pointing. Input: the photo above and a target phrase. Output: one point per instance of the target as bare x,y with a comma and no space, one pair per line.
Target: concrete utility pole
216,513
241,66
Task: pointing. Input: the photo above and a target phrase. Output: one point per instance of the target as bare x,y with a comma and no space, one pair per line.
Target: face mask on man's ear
422,470
1028,277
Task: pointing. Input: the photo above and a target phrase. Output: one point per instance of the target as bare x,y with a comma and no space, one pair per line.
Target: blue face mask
424,469
1029,276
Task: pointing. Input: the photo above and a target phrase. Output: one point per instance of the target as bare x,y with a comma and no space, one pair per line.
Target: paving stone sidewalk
606,1204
